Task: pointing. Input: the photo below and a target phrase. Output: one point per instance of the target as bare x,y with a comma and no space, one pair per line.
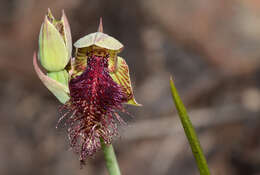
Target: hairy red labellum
94,101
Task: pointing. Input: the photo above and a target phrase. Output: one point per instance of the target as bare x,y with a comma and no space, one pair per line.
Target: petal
59,90
121,76
113,61
52,50
79,63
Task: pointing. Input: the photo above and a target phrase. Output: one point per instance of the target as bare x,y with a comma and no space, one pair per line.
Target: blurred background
212,48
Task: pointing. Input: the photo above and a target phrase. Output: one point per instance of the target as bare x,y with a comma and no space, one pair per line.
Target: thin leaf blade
190,132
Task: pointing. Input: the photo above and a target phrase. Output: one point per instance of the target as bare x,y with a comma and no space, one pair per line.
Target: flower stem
190,132
110,157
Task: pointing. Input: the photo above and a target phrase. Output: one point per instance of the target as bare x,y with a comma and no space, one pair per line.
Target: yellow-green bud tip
54,43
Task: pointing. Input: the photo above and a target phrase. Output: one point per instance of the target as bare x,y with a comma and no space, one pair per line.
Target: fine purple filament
94,100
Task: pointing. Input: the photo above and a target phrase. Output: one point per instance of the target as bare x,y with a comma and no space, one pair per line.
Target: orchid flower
93,86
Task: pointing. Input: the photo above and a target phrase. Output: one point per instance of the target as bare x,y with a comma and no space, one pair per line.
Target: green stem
190,132
110,157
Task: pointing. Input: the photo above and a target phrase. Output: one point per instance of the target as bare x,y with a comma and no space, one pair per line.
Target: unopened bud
54,43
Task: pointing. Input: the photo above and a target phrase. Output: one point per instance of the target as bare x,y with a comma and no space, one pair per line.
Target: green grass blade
190,132
110,157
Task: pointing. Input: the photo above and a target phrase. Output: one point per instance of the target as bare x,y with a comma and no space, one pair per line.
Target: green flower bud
55,43
55,82
61,76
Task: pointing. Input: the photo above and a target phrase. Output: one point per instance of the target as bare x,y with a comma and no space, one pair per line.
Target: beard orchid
93,86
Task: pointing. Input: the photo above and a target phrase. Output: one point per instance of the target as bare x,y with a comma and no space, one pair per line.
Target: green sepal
60,90
67,33
53,53
61,76
121,76
99,39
